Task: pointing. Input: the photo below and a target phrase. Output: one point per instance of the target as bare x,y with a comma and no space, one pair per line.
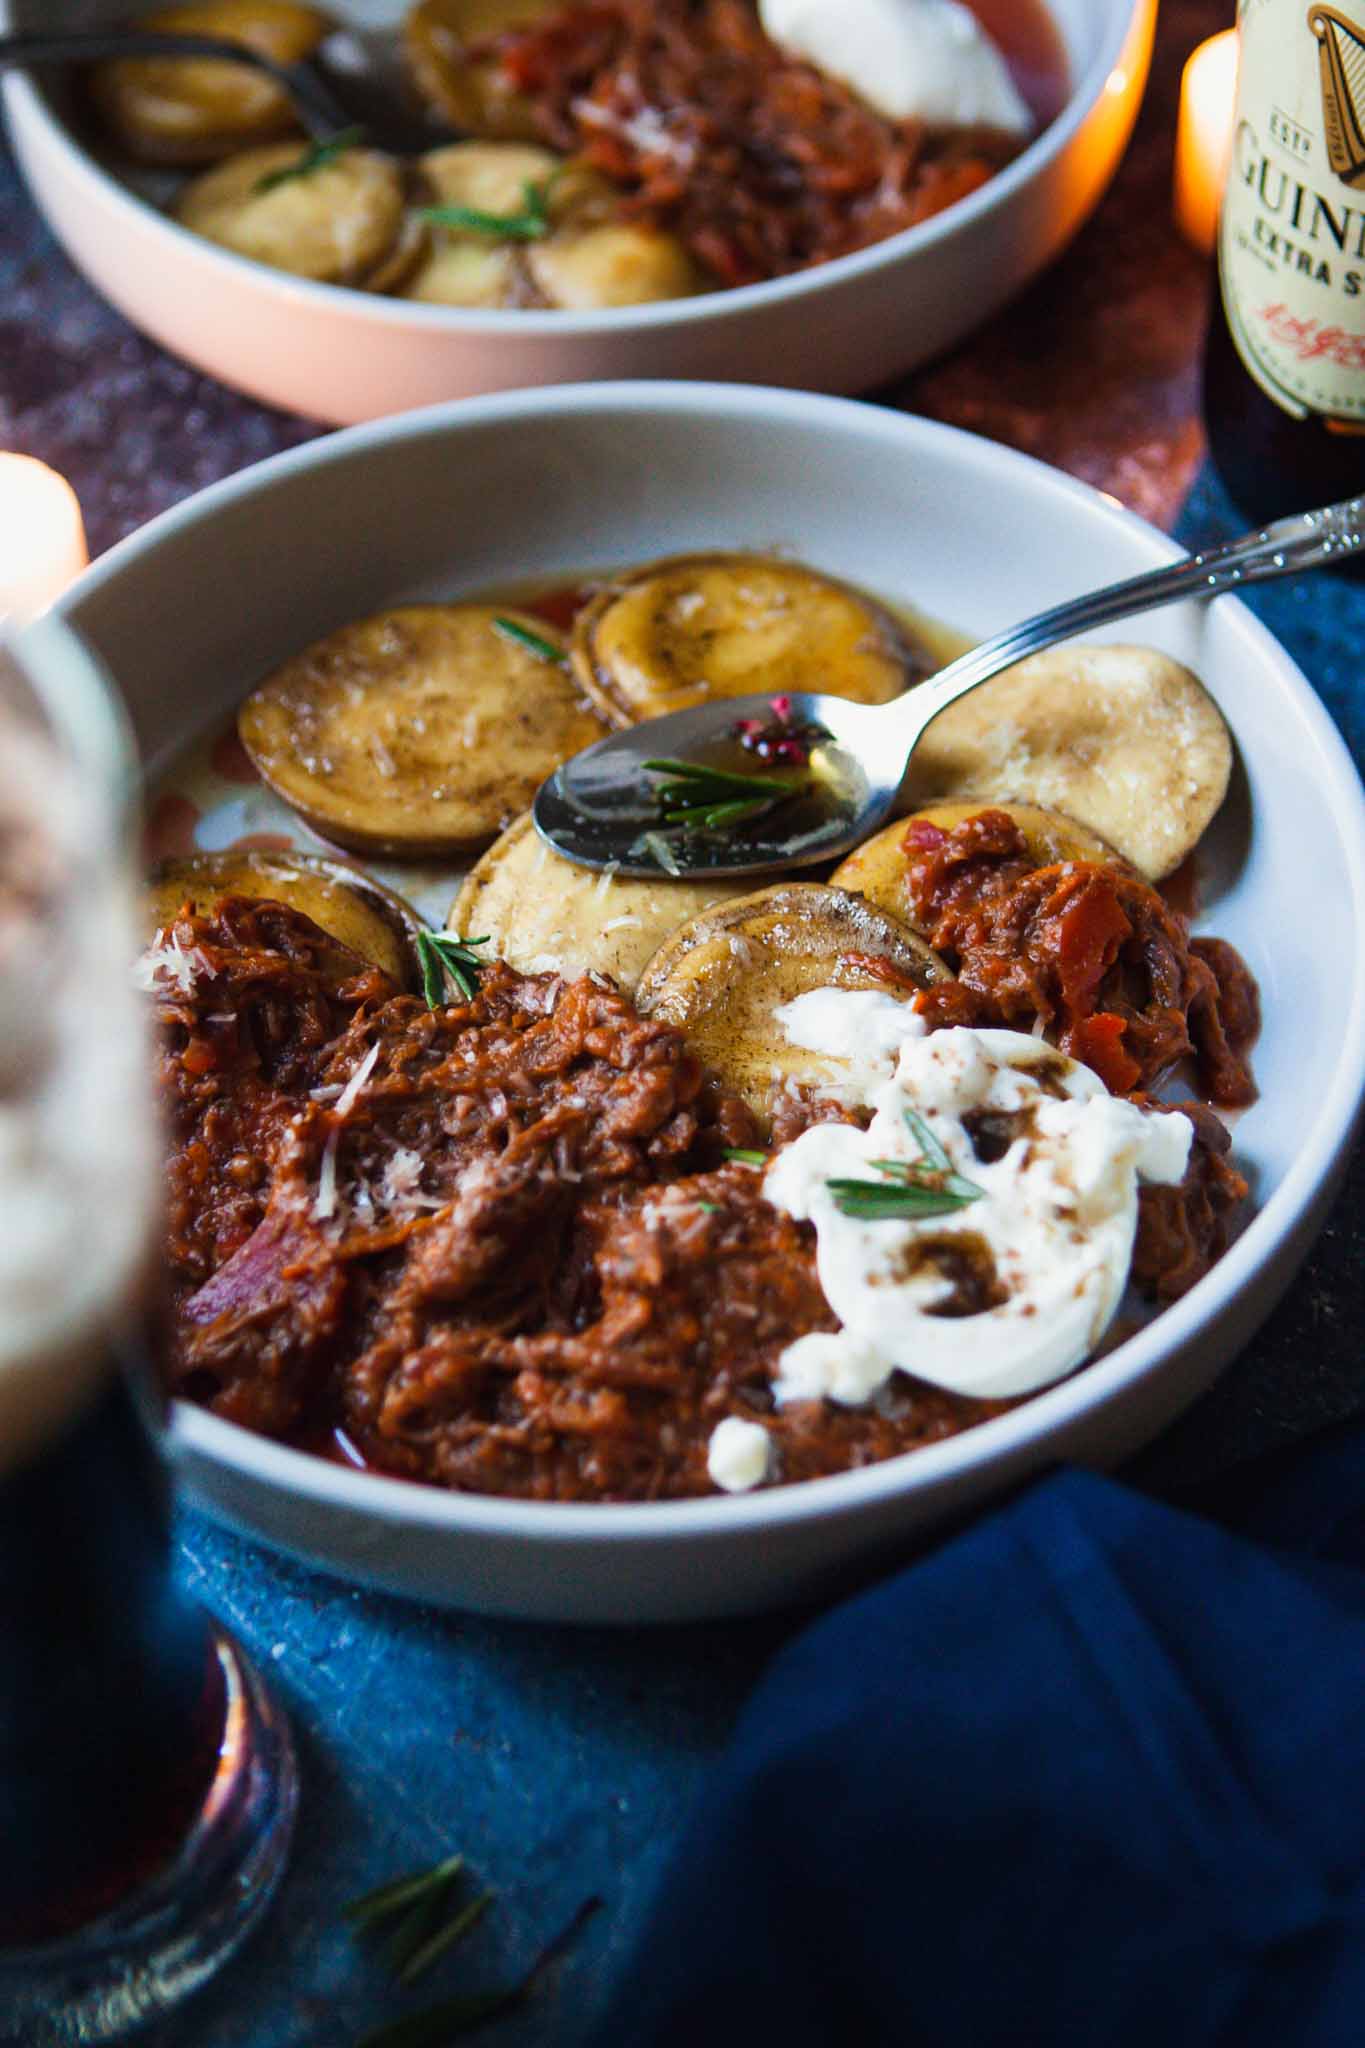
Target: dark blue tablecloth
1092,1772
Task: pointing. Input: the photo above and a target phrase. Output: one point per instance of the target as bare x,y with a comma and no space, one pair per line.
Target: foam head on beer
77,1131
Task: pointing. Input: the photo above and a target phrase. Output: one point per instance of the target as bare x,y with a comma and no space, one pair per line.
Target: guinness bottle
1284,384
146,1780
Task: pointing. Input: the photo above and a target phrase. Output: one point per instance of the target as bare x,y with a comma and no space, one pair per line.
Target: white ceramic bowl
190,611
341,356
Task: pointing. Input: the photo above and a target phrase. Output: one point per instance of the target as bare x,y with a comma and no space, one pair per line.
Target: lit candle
1203,144
42,537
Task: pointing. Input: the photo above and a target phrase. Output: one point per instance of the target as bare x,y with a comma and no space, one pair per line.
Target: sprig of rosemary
440,954
909,1189
414,1914
314,159
532,224
710,799
453,2017
522,636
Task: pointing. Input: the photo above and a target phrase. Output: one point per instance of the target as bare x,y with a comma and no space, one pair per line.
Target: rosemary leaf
430,1951
917,1174
314,159
729,813
927,1142
719,781
455,2017
416,1930
532,224
708,1208
872,1201
401,1892
440,954
739,1157
543,650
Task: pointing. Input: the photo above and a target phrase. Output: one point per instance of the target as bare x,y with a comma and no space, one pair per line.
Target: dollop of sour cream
913,60
1008,1292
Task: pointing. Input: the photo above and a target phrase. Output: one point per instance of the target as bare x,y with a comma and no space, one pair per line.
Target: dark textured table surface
563,1761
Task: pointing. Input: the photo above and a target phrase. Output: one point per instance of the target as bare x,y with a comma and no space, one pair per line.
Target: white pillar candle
1203,143
42,536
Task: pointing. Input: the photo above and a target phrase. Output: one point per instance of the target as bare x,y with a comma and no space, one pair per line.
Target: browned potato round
422,730
347,904
408,251
1123,739
721,978
463,267
616,263
472,96
194,110
876,870
338,223
674,633
587,257
541,912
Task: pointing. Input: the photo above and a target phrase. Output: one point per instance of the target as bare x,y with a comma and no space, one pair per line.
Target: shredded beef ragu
568,1294
1111,972
515,1261
760,163
1089,949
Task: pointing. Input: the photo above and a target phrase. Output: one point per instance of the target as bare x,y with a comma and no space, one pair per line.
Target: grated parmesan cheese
166,961
325,1202
351,1093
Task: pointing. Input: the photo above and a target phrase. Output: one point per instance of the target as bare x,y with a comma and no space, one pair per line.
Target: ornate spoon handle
1307,540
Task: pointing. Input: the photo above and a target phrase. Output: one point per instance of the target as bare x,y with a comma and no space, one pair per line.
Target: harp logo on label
1341,60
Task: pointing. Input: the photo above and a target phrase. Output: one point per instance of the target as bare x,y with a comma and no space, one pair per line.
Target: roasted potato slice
677,632
720,979
1122,739
615,263
347,904
587,257
194,110
542,912
463,267
422,730
876,870
338,223
471,94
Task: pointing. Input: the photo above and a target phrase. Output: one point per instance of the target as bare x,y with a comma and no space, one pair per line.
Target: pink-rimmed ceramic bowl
342,355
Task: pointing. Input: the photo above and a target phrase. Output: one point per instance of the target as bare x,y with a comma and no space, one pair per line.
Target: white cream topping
913,60
1053,1228
738,1455
862,1028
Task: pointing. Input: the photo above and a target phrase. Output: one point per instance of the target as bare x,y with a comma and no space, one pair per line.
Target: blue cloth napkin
1093,1772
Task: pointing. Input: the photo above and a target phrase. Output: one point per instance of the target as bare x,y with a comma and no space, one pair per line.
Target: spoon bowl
608,807
602,808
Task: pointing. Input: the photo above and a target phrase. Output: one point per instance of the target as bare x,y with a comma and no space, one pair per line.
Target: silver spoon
602,808
351,80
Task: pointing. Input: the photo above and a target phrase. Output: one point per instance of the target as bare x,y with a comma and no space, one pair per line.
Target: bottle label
1291,249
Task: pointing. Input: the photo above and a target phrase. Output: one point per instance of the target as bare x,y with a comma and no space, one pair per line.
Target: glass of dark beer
147,1780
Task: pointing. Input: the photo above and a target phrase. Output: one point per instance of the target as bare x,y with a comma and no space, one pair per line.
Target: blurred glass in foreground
147,1783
